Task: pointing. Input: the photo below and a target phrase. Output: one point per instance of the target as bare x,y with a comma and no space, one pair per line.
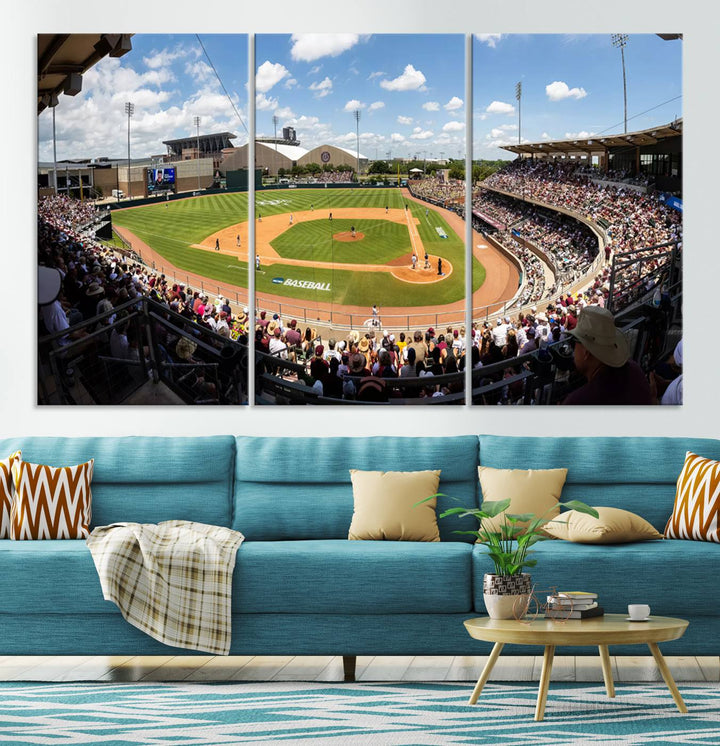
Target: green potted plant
507,591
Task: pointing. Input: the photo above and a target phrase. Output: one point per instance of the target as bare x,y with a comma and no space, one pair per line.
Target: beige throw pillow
530,491
385,505
612,526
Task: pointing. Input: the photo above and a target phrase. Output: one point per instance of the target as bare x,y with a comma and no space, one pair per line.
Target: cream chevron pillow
6,493
51,502
696,512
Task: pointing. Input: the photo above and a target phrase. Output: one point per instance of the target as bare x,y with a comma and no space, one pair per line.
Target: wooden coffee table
611,629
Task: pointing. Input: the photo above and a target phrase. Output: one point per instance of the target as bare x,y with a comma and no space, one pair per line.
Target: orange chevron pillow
51,502
6,493
696,513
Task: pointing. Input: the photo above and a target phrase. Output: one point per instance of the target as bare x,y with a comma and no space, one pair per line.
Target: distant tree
457,171
328,167
379,167
281,171
313,168
344,167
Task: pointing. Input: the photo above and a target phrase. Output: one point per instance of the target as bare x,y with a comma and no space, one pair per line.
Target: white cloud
164,58
199,70
376,74
410,80
268,74
353,104
582,135
545,136
309,47
453,126
285,113
419,134
558,90
453,104
375,105
431,106
290,83
508,127
161,112
263,103
500,107
405,120
323,88
397,137
314,70
490,39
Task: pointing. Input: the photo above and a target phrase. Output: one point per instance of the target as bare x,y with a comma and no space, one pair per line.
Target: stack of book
573,605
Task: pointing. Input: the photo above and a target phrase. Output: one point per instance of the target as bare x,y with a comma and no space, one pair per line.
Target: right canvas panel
577,193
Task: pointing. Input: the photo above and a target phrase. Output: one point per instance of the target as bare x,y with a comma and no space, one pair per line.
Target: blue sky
170,81
571,86
408,88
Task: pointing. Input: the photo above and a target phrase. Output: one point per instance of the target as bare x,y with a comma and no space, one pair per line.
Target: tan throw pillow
385,505
51,502
696,512
612,526
530,491
6,493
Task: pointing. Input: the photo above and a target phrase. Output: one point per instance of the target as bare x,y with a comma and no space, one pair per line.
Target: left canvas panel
139,303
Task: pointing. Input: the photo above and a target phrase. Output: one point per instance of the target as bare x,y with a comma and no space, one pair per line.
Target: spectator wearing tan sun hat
602,355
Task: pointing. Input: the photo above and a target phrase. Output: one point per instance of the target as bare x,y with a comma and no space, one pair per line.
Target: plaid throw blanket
172,580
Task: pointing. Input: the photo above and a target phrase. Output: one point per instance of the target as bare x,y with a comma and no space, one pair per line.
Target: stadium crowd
439,192
97,279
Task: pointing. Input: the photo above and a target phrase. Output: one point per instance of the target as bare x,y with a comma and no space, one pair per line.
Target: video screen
161,178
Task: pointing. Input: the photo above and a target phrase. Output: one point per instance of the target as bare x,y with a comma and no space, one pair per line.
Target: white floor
325,668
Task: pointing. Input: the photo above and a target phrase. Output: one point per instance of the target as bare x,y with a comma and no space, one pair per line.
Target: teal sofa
301,588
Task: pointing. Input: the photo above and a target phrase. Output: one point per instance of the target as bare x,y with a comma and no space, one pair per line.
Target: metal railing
107,359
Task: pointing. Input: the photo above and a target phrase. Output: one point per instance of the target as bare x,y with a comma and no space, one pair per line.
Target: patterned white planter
507,596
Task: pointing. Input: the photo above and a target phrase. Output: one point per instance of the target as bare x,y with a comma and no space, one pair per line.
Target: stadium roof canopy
64,58
353,153
599,143
293,152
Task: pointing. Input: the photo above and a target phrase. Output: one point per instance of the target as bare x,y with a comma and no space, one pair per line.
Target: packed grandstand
578,244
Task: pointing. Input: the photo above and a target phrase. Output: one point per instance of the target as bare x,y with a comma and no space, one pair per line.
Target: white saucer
630,619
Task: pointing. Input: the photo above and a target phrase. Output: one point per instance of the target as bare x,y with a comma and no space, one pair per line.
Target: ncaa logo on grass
278,280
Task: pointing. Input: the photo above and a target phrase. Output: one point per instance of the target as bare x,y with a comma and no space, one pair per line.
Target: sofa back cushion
637,474
300,488
145,479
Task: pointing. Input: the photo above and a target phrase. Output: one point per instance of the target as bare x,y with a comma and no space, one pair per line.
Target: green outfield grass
313,240
171,227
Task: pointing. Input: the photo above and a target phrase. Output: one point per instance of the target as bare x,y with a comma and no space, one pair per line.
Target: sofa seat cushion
54,576
337,576
676,578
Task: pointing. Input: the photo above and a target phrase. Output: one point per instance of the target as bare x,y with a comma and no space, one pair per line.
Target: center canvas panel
359,252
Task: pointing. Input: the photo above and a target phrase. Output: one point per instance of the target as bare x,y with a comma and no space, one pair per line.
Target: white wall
697,21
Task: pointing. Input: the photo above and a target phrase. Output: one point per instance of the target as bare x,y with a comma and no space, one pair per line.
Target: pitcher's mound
348,236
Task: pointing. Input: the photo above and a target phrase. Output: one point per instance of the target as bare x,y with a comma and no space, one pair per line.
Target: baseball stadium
359,281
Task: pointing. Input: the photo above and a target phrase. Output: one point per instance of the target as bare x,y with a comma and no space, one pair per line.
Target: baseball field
343,246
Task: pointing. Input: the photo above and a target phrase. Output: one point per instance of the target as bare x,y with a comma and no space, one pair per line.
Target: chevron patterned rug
376,714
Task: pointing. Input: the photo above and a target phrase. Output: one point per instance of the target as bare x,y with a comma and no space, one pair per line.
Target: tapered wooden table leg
544,681
607,670
485,675
665,671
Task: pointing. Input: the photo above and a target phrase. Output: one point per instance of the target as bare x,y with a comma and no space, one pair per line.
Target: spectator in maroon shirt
602,356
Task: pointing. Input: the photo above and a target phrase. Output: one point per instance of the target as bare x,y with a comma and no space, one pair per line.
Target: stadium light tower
620,40
518,97
275,124
356,114
129,110
196,122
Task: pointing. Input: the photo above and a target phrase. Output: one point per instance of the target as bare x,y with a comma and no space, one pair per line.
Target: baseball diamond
306,236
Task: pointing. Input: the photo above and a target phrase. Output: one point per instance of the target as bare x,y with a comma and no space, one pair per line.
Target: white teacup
638,612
